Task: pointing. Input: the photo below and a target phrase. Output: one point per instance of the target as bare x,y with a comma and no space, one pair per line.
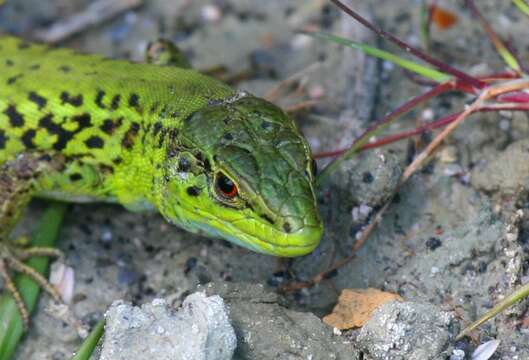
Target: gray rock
507,171
200,330
407,331
369,178
267,330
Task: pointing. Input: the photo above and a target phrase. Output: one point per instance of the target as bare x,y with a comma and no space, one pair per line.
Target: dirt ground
451,237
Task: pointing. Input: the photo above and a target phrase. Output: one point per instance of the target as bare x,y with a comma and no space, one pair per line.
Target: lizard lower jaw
254,234
299,243
302,242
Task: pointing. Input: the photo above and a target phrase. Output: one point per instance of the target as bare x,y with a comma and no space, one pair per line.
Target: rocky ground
452,243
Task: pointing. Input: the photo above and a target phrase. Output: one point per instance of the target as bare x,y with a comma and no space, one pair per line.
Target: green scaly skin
156,137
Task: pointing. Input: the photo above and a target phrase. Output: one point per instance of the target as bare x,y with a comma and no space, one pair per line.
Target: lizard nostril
287,227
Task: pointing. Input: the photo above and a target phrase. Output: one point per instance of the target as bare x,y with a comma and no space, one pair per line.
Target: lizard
209,158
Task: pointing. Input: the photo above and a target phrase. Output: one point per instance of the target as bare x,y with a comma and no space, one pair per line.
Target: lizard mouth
298,243
255,235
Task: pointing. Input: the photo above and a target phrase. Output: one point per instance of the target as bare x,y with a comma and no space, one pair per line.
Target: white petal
485,350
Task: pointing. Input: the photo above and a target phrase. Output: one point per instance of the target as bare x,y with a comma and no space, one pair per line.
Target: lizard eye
225,187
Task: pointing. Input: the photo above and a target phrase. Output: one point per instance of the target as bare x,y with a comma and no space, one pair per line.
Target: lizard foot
11,258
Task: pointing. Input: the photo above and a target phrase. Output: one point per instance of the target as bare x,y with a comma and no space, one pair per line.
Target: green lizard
84,128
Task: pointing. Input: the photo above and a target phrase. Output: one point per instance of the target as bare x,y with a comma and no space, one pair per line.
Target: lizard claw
11,258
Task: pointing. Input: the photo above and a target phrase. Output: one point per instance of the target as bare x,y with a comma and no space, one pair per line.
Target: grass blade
422,70
522,6
426,17
87,348
11,328
500,46
510,300
461,76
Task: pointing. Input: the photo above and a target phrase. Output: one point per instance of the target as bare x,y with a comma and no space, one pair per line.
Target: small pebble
367,177
211,13
452,170
106,235
428,114
457,354
361,213
126,275
448,154
159,302
277,278
336,331
504,124
58,355
191,263
316,92
433,243
387,66
301,41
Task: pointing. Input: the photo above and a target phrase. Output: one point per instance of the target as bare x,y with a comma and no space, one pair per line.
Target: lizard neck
140,166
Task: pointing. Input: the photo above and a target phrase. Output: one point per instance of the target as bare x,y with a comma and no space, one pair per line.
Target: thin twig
488,93
429,150
273,94
301,106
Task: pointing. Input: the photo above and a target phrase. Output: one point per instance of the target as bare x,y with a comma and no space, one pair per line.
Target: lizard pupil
225,186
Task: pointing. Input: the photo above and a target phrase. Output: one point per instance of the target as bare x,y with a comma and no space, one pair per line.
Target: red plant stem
506,75
515,97
464,78
407,106
409,133
393,138
419,130
404,108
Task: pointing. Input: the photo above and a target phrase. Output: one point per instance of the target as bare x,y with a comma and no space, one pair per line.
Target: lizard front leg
17,180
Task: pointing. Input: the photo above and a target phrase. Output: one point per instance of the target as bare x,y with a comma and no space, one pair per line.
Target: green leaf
422,70
87,348
11,327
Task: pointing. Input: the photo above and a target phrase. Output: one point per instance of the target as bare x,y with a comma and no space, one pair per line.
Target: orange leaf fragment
444,19
356,306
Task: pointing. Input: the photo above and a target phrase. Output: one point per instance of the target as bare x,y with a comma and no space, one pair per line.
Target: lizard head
241,170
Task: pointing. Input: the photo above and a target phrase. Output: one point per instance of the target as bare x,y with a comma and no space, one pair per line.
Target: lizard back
101,114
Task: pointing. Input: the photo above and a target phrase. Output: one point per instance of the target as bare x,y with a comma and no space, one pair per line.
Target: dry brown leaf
443,18
355,307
